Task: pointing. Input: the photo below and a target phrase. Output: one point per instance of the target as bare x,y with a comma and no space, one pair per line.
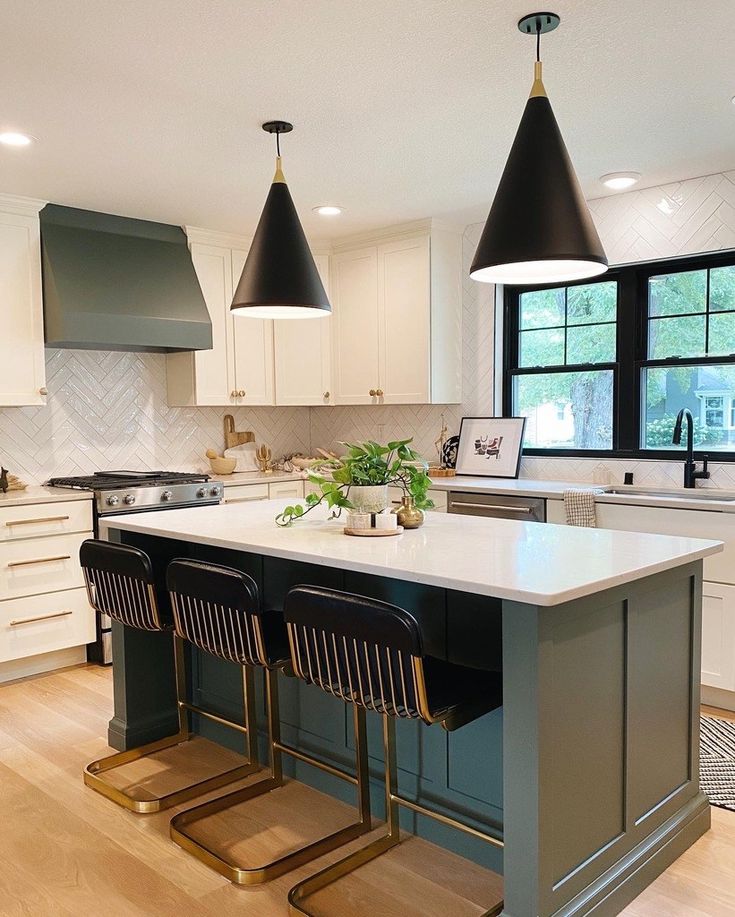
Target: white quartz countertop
39,494
669,497
522,561
256,477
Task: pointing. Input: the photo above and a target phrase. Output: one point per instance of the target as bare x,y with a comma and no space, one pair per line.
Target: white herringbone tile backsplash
109,410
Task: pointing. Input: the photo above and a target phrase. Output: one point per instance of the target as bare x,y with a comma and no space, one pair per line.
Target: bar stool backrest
120,583
364,651
217,609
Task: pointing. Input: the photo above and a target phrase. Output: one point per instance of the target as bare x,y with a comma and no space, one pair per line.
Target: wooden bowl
223,465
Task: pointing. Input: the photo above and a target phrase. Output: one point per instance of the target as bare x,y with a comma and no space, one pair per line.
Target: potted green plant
360,479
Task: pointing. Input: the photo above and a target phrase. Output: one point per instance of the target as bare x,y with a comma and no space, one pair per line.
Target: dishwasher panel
524,509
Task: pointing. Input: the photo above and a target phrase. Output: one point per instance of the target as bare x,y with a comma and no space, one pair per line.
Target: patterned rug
717,761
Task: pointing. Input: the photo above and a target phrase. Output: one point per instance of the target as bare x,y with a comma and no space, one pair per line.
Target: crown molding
214,237
24,206
398,231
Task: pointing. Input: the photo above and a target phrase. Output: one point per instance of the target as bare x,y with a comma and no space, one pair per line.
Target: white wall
109,410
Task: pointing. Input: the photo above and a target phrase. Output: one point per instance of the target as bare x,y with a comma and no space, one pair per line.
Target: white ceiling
403,108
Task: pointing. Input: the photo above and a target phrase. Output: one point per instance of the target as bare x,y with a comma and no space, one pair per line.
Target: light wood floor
64,850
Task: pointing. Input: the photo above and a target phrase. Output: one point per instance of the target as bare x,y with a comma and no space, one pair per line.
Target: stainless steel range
137,492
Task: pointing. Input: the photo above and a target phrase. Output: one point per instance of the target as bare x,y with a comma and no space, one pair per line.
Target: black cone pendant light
539,229
280,279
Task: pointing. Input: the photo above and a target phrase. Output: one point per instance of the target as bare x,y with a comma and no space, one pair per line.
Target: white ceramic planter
373,499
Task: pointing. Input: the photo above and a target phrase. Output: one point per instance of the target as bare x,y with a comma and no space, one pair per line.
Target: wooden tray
373,533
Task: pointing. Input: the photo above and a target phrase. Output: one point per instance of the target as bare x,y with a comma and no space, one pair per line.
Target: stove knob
215,491
202,492
129,499
113,500
166,495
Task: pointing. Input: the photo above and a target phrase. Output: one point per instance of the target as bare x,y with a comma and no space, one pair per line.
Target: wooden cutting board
233,437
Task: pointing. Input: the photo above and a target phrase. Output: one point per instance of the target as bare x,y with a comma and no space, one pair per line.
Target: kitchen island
589,771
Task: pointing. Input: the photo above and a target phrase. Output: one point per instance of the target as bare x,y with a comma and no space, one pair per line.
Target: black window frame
632,354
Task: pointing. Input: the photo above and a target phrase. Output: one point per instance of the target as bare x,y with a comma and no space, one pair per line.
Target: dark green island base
590,770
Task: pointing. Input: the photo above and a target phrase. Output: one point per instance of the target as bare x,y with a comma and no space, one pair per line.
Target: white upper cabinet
253,349
398,317
303,354
355,317
22,364
238,370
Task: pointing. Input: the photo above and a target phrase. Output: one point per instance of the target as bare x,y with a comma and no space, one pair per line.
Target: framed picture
490,446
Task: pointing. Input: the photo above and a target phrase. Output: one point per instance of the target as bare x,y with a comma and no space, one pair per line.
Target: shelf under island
589,771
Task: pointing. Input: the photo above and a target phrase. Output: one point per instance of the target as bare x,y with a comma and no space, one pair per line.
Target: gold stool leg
244,875
355,860
93,772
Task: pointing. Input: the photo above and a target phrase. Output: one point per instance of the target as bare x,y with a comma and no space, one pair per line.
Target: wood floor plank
68,851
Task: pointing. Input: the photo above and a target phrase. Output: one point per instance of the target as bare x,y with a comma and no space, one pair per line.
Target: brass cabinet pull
43,390
372,393
233,393
379,392
242,393
325,395
55,614
36,521
39,560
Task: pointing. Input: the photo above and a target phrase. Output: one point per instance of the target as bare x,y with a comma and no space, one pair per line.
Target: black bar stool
218,609
120,583
369,653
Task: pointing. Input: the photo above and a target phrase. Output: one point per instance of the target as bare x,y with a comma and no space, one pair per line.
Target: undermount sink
670,494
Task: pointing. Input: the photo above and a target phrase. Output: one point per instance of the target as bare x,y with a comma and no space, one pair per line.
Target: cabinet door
404,310
303,354
214,378
718,636
253,349
22,366
355,303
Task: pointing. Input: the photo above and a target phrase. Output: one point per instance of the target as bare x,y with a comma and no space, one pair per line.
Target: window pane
592,302
722,288
676,337
568,410
542,309
542,348
722,334
708,392
591,344
674,294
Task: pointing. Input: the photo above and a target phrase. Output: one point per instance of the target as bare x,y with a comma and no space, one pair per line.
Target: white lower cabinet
718,636
43,602
247,493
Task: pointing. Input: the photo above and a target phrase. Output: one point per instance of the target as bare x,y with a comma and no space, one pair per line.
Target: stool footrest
94,780
254,875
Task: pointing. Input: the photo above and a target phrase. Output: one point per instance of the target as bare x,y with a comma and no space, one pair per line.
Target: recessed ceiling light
327,210
619,181
15,138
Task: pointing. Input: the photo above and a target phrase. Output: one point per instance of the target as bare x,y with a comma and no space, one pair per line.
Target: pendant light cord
278,143
538,39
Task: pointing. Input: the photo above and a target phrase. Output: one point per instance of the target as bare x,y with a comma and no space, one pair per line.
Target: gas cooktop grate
109,480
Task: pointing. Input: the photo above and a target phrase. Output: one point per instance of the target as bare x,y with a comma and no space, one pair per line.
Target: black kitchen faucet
690,468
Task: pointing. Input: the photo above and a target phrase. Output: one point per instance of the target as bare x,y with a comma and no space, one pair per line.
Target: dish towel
579,506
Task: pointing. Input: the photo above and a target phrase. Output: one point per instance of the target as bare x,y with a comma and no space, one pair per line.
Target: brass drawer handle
36,521
39,560
56,614
505,509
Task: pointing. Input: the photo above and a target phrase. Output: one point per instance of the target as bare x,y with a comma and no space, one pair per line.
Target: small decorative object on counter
220,465
359,481
385,521
449,452
263,456
10,481
4,483
359,520
245,457
408,514
490,446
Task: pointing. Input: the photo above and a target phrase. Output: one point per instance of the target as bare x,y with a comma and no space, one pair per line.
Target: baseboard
717,697
121,737
46,662
627,878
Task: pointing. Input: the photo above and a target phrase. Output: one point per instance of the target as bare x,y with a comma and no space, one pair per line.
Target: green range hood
112,283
